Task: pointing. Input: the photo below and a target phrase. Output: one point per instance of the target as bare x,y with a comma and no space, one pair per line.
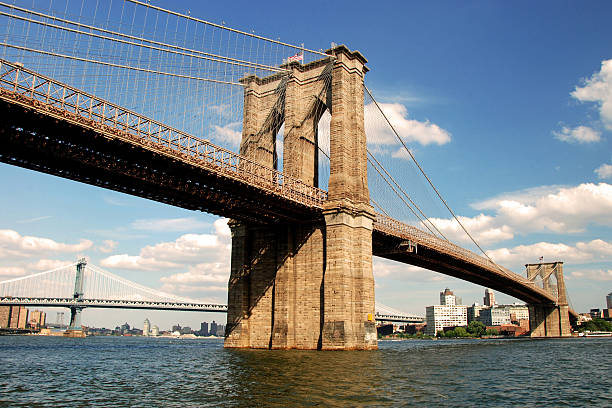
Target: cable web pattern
172,67
98,284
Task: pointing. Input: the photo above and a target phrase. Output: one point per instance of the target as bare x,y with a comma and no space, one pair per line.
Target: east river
160,372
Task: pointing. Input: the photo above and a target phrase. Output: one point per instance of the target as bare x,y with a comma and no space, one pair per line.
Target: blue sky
521,93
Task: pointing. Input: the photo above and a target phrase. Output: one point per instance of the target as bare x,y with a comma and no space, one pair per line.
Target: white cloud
604,171
553,208
12,271
108,245
169,224
598,89
593,274
203,277
12,244
582,252
188,249
35,219
558,209
136,262
47,264
483,228
230,133
579,134
384,268
379,132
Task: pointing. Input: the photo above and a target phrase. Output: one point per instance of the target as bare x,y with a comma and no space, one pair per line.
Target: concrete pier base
307,285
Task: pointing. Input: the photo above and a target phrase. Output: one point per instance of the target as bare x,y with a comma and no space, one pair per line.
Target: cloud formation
204,257
579,134
604,171
598,89
596,250
14,245
379,132
593,274
230,133
169,224
557,209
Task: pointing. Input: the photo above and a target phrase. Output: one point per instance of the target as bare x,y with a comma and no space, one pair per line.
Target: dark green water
146,372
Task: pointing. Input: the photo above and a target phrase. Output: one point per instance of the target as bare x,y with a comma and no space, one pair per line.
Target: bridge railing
58,99
397,228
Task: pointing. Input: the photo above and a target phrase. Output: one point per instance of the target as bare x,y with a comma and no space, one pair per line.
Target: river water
150,372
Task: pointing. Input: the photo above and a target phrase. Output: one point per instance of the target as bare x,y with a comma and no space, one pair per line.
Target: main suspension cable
427,178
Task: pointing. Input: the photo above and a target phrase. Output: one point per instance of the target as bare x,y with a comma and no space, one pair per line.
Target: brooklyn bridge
92,103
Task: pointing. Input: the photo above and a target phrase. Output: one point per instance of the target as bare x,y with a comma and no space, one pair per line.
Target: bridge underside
386,246
44,143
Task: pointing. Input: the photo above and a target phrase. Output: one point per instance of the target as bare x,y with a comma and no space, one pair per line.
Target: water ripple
145,372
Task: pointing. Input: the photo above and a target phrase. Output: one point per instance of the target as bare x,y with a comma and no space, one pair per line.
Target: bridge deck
54,128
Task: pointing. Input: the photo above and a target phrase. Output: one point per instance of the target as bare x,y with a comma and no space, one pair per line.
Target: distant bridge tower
546,320
75,311
308,284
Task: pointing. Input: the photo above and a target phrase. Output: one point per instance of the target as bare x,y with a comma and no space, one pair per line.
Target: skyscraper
213,328
38,318
447,314
489,298
447,298
609,300
145,328
204,329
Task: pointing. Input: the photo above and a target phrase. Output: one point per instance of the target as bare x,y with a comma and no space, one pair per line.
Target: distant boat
598,334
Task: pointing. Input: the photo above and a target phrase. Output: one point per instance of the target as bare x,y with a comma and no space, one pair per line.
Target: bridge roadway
149,305
53,128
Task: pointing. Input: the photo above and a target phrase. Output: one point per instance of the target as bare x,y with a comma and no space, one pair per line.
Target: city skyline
513,126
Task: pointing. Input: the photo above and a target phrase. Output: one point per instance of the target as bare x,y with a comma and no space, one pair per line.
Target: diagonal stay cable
427,178
407,196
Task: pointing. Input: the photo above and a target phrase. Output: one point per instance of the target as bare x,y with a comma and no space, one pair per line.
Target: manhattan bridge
285,141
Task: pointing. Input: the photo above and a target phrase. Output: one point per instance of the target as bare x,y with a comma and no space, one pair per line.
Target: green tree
492,332
596,325
461,332
603,325
476,328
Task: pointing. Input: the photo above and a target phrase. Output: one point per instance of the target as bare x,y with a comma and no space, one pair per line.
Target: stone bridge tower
309,284
548,320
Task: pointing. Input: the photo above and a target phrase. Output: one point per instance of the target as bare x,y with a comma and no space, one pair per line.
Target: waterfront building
213,328
38,319
185,330
595,313
447,298
446,315
155,331
204,329
14,317
125,328
495,316
489,298
517,312
473,312
609,301
146,327
5,317
220,330
176,328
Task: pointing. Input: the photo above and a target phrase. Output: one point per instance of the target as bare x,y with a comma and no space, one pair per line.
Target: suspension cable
259,37
110,64
427,178
181,50
407,196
